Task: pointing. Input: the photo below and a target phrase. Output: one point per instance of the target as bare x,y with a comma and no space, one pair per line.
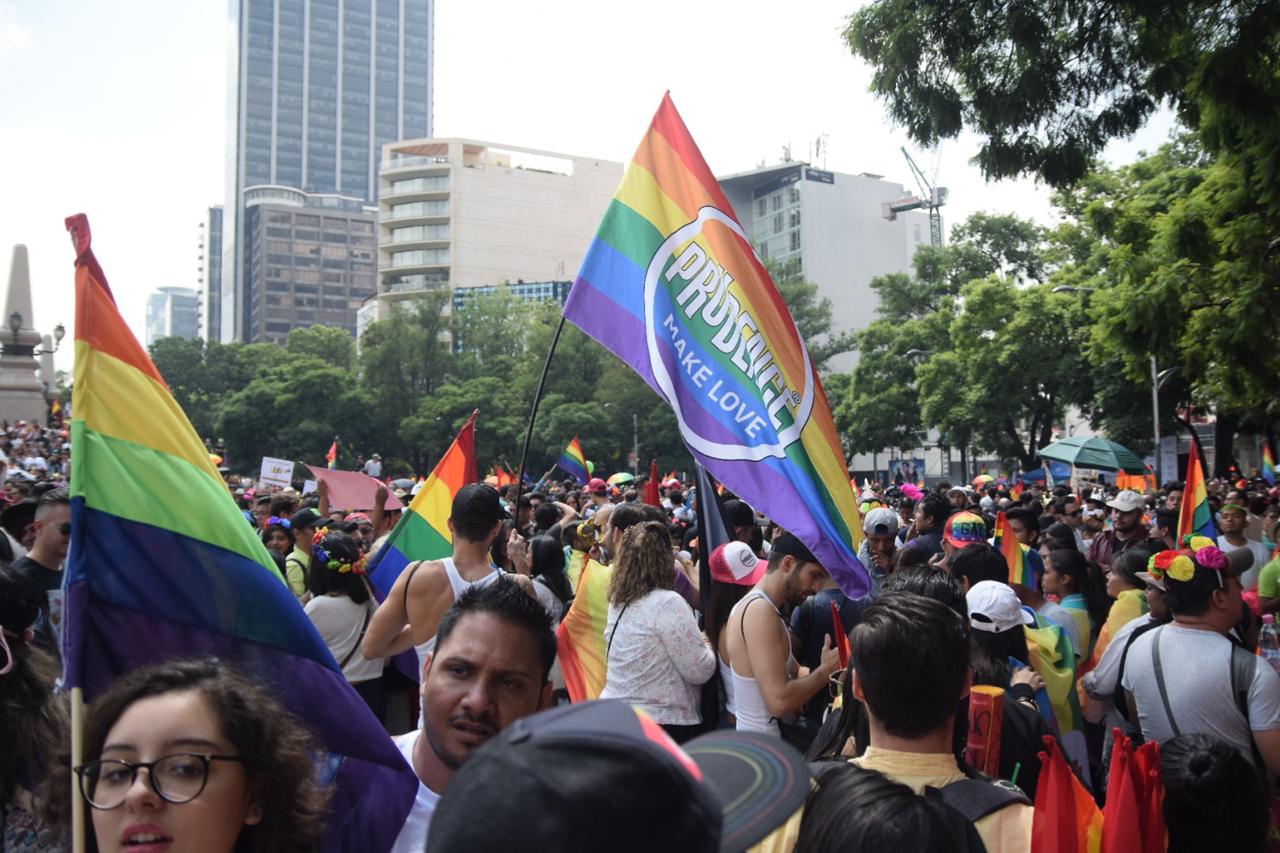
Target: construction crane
931,198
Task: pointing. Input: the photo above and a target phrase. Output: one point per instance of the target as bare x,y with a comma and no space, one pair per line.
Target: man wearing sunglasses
42,566
1070,513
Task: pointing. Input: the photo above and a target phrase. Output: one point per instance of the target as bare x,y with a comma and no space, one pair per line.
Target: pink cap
734,562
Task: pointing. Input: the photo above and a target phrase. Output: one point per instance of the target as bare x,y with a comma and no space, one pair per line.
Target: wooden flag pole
77,758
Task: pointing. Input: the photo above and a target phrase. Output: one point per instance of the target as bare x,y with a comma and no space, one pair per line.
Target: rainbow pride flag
1011,548
150,578
1268,465
1053,658
423,530
672,286
1195,516
574,462
331,458
580,639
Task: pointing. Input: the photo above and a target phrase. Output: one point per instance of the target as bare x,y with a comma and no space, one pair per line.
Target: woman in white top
657,657
340,608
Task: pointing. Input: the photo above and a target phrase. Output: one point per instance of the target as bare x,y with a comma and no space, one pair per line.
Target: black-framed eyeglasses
65,528
177,779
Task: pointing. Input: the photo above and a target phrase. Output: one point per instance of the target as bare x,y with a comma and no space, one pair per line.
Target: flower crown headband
357,567
1181,565
277,521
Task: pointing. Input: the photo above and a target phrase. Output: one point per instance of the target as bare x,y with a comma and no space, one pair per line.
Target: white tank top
726,678
749,708
459,585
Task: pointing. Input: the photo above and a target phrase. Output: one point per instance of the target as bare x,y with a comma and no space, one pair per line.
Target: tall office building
210,277
316,88
460,213
173,312
829,225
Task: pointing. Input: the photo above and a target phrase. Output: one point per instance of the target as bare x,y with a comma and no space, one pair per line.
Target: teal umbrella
1094,452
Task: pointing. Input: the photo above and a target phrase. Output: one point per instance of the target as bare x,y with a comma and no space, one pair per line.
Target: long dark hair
340,550
277,749
721,599
34,726
1086,579
990,652
547,562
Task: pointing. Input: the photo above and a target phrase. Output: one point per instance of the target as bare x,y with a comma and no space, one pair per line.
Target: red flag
651,495
1066,818
1146,764
1122,815
842,639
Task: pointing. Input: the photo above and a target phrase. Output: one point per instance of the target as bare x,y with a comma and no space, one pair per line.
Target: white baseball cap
1127,501
734,562
994,607
880,521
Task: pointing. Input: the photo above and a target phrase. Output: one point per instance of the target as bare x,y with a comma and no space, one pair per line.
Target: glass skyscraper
317,88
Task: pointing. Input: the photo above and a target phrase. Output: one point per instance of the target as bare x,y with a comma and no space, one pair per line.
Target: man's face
1125,521
262,512
958,499
884,545
1072,515
1173,500
802,580
1020,531
484,677
48,531
1233,521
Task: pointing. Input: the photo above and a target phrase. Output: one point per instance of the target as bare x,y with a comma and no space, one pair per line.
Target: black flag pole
533,414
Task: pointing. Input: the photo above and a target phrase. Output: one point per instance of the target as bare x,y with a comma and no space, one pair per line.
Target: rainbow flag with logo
1011,548
1195,515
672,286
1268,465
423,530
151,579
574,462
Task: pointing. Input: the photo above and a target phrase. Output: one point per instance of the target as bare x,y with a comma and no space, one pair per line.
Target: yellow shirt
1005,831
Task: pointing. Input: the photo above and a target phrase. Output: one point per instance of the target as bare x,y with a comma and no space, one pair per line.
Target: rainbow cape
1268,465
672,286
151,578
1052,657
580,639
1195,516
574,462
423,530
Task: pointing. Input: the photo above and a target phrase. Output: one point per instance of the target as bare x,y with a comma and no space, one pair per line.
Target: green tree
491,333
1047,85
327,343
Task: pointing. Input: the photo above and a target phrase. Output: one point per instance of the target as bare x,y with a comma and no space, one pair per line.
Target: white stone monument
22,394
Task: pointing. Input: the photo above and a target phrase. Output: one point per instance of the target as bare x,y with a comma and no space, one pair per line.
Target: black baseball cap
739,513
787,543
307,517
478,503
603,775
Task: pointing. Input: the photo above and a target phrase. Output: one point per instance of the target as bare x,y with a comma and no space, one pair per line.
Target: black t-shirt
44,579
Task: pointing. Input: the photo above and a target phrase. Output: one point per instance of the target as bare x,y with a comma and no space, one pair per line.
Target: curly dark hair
645,563
34,724
277,749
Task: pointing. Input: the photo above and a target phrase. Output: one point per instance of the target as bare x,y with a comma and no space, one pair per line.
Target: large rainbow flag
150,578
574,462
580,639
1011,548
672,286
1268,465
423,530
1195,515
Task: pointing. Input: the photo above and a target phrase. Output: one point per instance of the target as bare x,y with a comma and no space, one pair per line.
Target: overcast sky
118,110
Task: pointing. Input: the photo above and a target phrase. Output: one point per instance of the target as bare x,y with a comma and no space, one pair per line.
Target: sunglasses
65,528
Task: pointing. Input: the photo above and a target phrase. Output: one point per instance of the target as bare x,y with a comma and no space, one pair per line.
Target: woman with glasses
657,657
192,755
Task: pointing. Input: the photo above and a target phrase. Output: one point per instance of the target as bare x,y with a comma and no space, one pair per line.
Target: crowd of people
725,717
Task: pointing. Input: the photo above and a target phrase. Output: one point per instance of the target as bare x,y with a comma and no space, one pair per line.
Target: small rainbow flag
423,530
1268,465
574,462
150,579
1195,516
580,636
1016,492
1011,548
332,456
672,286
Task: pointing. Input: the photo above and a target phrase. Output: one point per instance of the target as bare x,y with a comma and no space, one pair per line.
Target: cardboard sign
276,472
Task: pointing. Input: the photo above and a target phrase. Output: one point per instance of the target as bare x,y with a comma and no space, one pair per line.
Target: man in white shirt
490,667
1182,678
1232,520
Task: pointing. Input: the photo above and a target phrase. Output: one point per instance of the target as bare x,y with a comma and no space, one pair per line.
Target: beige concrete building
461,213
